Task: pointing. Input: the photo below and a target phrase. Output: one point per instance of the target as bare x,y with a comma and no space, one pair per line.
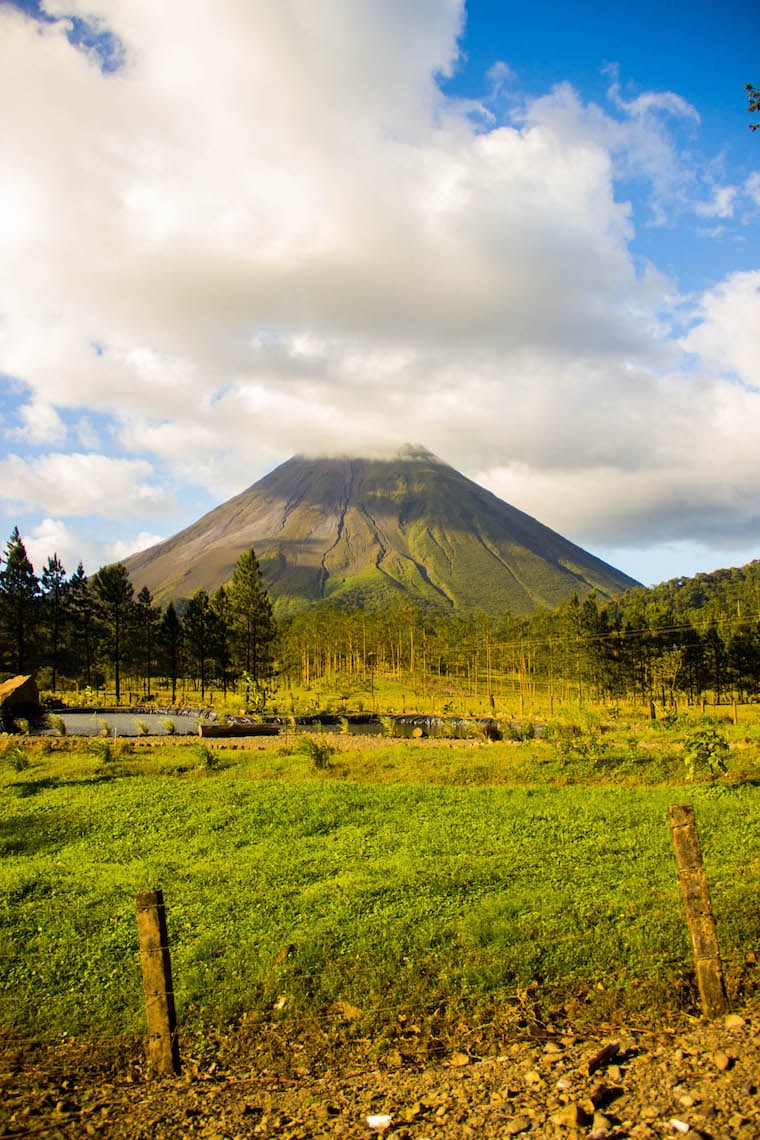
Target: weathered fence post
699,915
163,1046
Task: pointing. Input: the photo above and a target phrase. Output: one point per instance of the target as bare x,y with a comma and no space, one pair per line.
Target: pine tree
53,582
198,631
222,614
253,625
115,595
146,627
170,642
19,591
81,606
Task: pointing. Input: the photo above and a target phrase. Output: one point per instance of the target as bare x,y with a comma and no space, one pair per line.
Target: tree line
80,631
683,639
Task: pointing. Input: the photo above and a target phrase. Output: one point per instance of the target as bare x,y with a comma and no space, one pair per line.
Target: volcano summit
363,531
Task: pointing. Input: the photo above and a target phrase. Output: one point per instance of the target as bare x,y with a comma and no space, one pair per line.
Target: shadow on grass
25,788
28,835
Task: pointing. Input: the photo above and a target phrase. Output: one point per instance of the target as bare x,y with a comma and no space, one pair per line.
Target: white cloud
752,187
727,335
54,536
116,551
41,423
314,249
722,204
81,484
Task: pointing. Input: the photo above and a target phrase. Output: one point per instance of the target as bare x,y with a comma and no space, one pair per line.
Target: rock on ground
694,1079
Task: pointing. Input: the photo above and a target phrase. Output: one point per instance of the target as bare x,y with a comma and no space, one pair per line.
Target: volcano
356,531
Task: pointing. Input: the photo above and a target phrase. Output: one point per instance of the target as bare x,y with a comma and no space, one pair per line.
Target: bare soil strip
691,1078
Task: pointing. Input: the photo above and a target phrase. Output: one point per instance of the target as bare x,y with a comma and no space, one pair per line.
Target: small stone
379,1122
603,1057
459,1060
678,1125
721,1061
686,1101
571,1116
517,1125
615,1073
733,1021
600,1095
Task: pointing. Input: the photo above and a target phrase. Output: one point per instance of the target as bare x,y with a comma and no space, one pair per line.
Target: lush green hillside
363,532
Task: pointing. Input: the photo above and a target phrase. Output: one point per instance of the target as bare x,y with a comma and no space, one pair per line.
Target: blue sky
525,236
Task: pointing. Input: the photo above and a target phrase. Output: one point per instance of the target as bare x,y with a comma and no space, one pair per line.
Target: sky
525,236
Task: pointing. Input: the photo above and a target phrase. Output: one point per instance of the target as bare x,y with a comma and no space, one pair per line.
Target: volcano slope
363,531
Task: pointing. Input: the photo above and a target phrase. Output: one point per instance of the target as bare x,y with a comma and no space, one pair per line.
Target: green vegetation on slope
362,531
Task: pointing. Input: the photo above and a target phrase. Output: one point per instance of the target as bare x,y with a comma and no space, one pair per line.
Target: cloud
727,333
722,204
116,551
315,249
40,423
752,187
54,536
82,484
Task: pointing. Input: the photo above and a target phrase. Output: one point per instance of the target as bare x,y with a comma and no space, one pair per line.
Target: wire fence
80,969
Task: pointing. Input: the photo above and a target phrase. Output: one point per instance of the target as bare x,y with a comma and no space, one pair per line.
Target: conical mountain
363,531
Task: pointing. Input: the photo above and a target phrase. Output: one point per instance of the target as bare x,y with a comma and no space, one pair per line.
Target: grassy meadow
426,883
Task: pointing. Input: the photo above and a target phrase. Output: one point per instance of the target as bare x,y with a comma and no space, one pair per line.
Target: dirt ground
692,1079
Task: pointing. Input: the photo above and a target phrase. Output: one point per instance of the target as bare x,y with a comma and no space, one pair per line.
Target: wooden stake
163,1046
699,916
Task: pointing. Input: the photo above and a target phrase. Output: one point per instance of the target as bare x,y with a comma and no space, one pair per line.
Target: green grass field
450,880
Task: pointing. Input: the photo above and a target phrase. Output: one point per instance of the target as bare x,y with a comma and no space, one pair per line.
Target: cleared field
433,881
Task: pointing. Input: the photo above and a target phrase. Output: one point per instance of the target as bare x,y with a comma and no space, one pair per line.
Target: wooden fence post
163,1046
699,915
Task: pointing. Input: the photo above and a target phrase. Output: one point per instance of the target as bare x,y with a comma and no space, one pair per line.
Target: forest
687,639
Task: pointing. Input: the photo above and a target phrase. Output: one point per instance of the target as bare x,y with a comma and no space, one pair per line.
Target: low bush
318,751
704,751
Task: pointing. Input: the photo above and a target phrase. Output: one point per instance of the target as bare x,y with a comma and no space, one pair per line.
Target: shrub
17,758
143,728
318,751
205,757
573,744
168,726
57,723
101,750
21,725
389,725
705,747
